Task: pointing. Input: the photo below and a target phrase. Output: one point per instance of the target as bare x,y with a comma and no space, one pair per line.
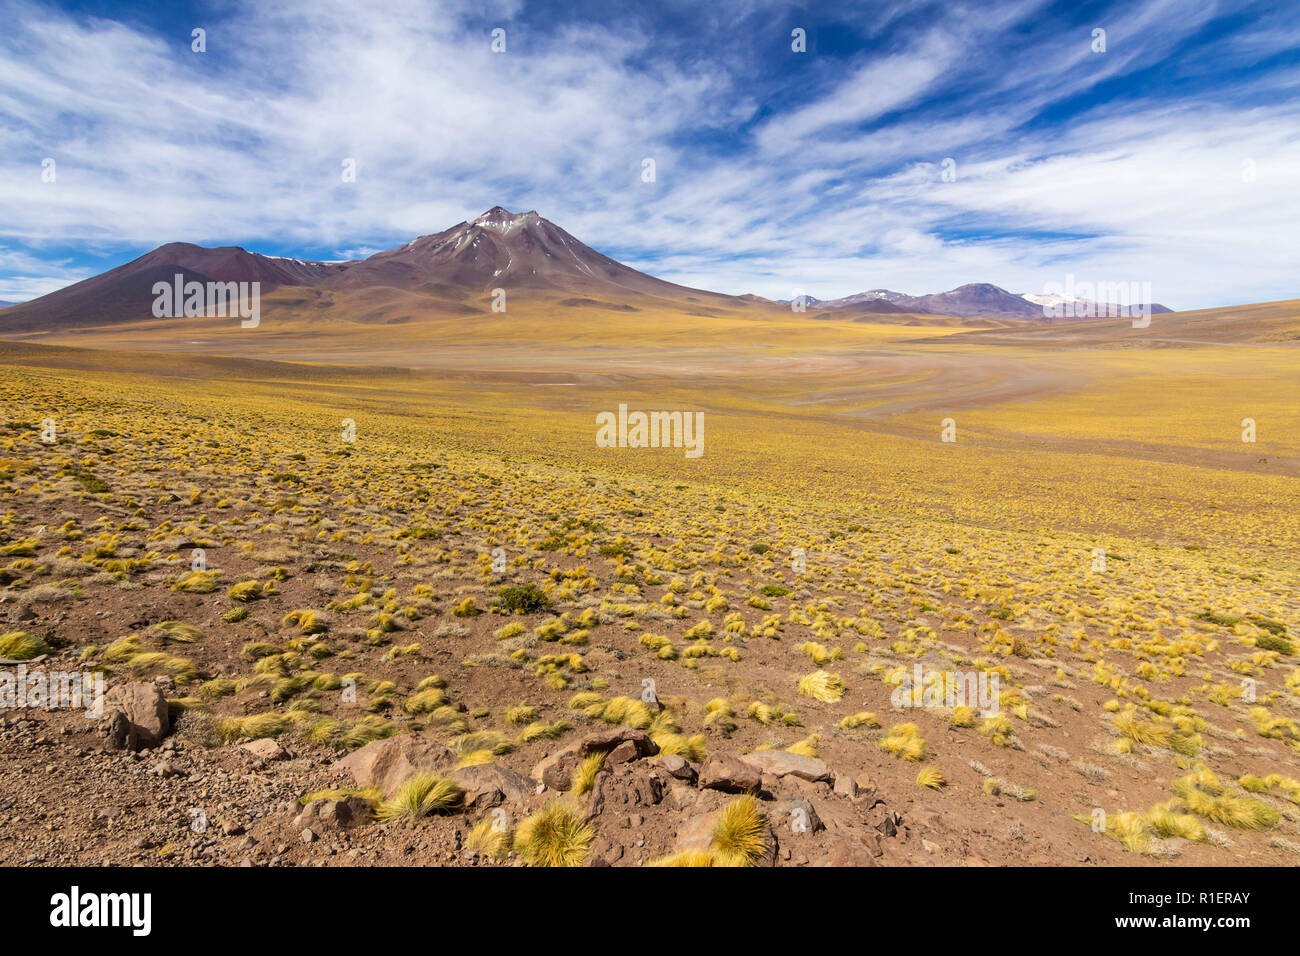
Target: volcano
522,253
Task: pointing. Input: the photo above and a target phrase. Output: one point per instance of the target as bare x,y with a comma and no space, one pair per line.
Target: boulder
845,786
348,812
328,814
145,711
727,772
696,833
781,763
488,785
625,752
386,764
679,767
556,771
264,748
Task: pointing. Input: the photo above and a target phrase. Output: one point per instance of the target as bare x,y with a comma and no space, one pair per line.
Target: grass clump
523,599
905,742
175,631
932,778
739,837
421,795
490,838
557,835
197,582
22,646
584,775
823,686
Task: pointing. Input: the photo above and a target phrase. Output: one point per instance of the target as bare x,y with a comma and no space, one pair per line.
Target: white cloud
835,193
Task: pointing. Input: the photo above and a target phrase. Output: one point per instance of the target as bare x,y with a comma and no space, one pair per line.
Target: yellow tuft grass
823,686
863,718
931,777
739,837
556,835
419,796
584,775
904,741
489,838
21,646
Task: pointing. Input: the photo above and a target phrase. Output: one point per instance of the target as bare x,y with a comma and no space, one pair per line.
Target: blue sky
1173,157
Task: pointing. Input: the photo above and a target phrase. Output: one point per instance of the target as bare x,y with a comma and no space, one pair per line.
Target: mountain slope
438,273
125,294
501,249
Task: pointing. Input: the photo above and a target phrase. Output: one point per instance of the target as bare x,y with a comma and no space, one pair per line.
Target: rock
885,821
144,708
679,767
347,812
781,763
845,786
264,748
798,815
607,740
681,795
308,836
163,768
488,785
115,729
386,764
696,833
928,818
625,752
556,771
647,791
727,772
866,786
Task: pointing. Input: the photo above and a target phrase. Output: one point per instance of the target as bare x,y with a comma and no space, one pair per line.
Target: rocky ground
396,651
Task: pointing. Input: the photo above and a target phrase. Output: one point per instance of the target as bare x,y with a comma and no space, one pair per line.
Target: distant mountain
453,273
507,250
1066,307
125,294
4,304
978,298
975,300
869,298
499,249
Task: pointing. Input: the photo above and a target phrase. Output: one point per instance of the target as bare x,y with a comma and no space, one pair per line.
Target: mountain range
976,299
453,272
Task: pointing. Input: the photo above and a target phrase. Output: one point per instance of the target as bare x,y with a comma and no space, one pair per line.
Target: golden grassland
824,438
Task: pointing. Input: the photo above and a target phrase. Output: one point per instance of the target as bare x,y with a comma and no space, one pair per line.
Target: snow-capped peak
499,219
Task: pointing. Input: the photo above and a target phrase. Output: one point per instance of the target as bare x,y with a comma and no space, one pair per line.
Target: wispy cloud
1173,157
